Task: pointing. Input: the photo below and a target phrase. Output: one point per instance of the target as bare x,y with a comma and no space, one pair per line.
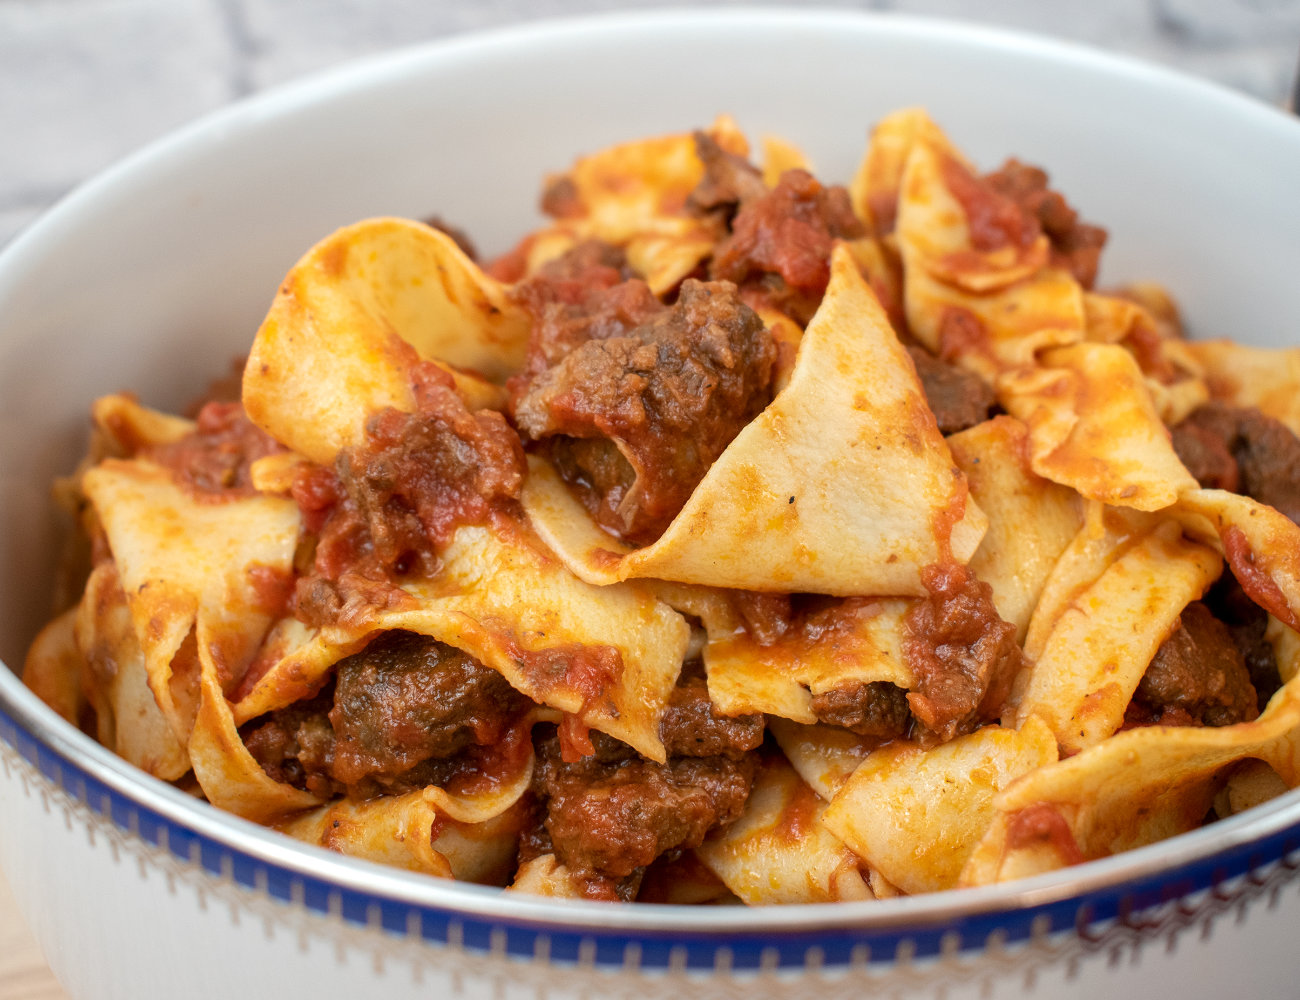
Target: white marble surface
84,82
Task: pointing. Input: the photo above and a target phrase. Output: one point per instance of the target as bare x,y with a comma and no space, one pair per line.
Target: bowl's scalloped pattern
385,932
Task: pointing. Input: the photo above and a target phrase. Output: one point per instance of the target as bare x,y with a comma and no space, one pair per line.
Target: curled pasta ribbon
353,320
797,501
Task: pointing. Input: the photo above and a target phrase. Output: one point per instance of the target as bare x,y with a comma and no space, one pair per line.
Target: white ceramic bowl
154,275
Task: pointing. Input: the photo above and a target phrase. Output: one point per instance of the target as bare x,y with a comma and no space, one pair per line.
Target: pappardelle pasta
733,538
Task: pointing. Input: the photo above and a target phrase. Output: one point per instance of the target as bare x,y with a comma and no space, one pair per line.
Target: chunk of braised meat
661,402
587,293
404,713
1246,622
729,181
1241,449
1076,245
1206,455
390,504
766,617
963,655
783,241
560,198
407,698
295,745
878,709
612,818
535,841
1197,677
692,727
959,399
214,461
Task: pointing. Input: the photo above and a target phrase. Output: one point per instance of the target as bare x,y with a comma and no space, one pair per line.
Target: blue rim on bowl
1234,858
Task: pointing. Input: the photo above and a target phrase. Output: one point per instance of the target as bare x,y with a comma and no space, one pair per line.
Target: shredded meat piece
784,238
962,653
406,698
767,617
404,713
1246,622
560,198
959,399
692,727
612,818
213,463
1243,450
729,181
661,402
1076,245
878,709
390,504
1206,455
587,293
295,745
1197,677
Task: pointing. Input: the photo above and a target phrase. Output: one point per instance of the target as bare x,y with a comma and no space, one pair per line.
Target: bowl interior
155,276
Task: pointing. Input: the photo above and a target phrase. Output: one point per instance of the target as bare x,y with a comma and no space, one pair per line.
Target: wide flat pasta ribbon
186,565
825,756
609,656
988,310
916,814
1093,427
353,319
1031,519
1261,545
128,719
53,667
843,485
1137,787
1092,658
416,832
1266,378
779,851
231,778
856,642
634,196
874,189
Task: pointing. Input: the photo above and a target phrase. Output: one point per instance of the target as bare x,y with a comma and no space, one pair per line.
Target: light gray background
84,82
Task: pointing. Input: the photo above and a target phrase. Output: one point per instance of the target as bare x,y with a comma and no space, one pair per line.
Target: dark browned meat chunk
1076,245
390,504
1244,450
691,727
295,745
1247,623
614,818
213,463
660,402
958,398
767,617
787,234
962,653
585,294
1206,455
1198,676
729,181
878,709
407,698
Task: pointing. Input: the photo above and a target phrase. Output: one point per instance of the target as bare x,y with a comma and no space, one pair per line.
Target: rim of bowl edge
1149,875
